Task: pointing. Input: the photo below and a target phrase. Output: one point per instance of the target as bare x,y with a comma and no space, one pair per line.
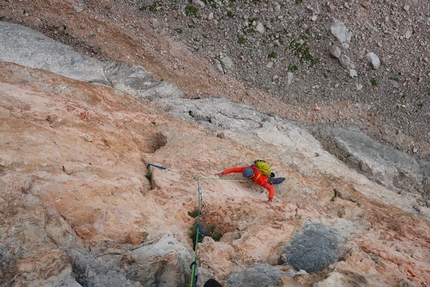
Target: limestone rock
48,54
336,52
260,28
339,30
373,59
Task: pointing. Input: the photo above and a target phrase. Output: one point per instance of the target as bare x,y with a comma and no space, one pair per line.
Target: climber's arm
230,170
270,189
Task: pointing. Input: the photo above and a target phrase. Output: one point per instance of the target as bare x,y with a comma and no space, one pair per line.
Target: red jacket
258,178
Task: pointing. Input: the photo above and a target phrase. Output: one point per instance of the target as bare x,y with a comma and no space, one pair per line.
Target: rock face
35,50
99,184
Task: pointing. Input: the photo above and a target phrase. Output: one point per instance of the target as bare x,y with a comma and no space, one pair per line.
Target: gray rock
395,84
314,248
373,59
260,28
384,164
161,93
336,52
164,263
290,77
345,61
78,9
340,32
200,3
352,73
261,275
23,46
127,78
224,63
155,24
88,271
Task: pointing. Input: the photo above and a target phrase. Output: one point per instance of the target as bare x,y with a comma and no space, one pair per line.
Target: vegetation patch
191,11
210,230
153,7
275,37
211,3
334,196
251,21
272,55
305,35
292,68
301,50
148,175
194,213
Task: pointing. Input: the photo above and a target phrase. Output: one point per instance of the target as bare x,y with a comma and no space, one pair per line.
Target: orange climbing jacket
258,178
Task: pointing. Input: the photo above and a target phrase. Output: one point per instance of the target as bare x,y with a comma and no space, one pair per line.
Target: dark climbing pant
276,180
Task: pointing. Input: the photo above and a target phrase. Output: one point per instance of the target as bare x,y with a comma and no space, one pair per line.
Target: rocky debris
343,36
297,34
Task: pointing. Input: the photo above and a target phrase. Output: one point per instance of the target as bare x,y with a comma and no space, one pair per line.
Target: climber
260,174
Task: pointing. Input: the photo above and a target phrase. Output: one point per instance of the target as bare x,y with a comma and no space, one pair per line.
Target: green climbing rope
199,230
222,179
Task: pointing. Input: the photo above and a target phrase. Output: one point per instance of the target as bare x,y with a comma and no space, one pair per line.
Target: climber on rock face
260,173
